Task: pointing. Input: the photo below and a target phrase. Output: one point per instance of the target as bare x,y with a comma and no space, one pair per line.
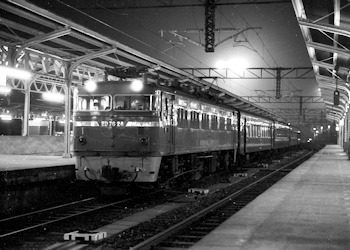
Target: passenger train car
128,132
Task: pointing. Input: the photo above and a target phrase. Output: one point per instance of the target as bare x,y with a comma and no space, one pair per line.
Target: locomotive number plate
112,123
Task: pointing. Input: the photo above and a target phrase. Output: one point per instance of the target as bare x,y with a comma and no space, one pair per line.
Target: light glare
136,85
90,85
53,97
15,73
5,90
235,64
6,117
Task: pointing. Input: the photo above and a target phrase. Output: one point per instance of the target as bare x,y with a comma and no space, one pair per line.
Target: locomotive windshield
93,103
134,102
120,102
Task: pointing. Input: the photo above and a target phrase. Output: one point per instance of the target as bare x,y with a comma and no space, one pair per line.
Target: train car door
242,133
273,135
168,121
245,136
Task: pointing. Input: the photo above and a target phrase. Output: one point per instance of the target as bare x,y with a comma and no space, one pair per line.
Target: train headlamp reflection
144,141
82,140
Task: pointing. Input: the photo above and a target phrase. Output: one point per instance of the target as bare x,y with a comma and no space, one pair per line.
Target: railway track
24,226
190,230
30,221
173,235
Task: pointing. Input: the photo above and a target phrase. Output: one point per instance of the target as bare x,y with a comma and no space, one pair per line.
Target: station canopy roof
53,43
325,26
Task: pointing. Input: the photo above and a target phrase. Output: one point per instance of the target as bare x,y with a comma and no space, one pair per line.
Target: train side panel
281,136
196,131
255,134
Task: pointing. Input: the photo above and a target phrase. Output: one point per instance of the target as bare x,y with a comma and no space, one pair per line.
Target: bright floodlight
136,85
53,97
90,85
15,73
6,117
4,90
337,128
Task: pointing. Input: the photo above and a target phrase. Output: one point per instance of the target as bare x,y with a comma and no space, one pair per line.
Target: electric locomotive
127,132
124,134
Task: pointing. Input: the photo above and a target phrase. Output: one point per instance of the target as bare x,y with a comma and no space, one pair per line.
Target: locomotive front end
115,133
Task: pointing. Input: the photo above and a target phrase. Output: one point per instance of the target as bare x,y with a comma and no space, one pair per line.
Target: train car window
222,123
229,124
134,102
94,103
182,118
214,122
185,118
205,121
191,119
256,130
194,120
179,117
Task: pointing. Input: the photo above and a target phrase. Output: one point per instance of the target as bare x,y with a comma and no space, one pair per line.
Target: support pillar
26,109
67,112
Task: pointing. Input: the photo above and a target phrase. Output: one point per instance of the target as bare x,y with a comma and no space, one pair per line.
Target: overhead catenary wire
132,37
142,42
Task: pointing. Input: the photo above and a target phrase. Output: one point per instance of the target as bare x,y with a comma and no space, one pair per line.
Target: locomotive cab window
134,102
93,103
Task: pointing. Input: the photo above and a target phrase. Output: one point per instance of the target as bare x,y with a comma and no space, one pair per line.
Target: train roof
123,87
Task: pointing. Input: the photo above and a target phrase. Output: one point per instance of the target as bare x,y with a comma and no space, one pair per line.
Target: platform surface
18,162
308,209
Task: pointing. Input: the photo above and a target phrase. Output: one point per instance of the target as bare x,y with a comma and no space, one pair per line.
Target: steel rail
158,238
52,209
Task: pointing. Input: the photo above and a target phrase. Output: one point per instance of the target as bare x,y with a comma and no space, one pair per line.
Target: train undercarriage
175,171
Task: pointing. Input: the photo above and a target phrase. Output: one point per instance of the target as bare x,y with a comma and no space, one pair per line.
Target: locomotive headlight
90,85
82,140
136,85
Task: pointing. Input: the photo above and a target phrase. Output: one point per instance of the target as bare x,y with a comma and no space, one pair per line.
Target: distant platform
23,169
17,162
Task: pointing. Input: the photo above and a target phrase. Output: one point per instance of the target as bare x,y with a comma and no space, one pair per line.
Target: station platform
307,209
24,169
